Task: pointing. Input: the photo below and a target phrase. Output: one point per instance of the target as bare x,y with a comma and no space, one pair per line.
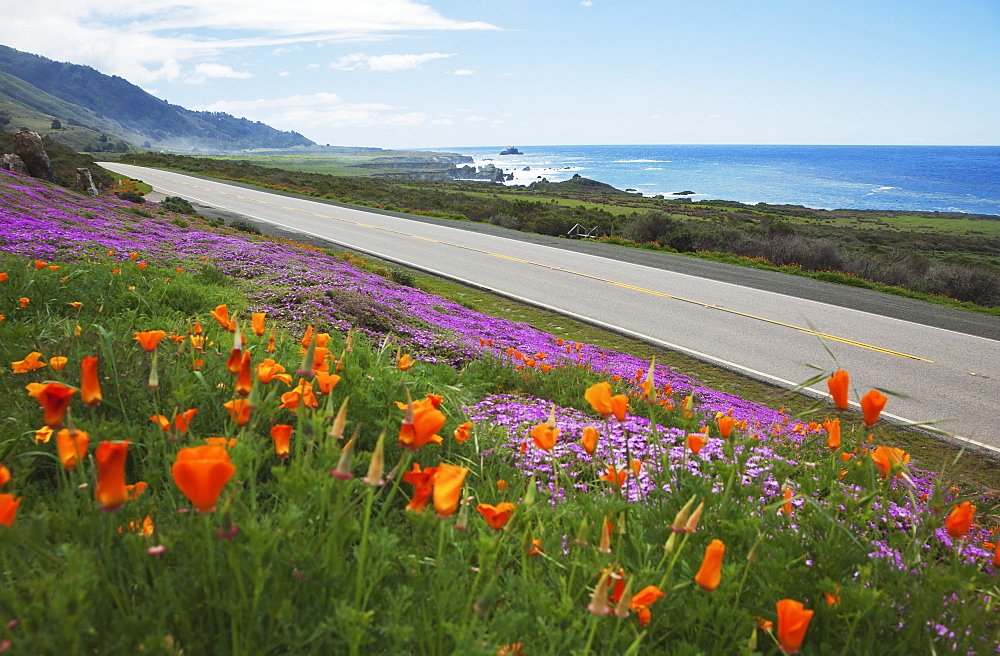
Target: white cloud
204,71
463,71
587,3
319,110
284,74
137,41
475,118
383,63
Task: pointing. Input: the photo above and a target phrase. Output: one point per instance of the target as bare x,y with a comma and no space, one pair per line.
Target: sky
440,73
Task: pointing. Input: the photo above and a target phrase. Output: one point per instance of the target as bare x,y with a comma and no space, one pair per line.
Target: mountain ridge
113,106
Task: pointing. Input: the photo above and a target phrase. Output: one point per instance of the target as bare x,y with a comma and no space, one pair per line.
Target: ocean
930,178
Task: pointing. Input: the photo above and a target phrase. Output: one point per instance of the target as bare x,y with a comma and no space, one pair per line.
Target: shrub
179,205
131,197
245,226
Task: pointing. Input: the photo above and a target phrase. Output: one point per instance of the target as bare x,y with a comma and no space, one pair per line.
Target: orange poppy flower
23,302
58,362
710,573
695,442
110,491
8,509
725,423
786,508
463,431
281,434
239,410
3,276
150,338
421,423
544,436
793,621
872,404
589,439
302,395
163,422
268,369
405,362
72,447
257,323
448,482
4,475
833,434
960,520
200,473
29,363
615,477
271,348
90,385
496,516
244,381
43,435
832,598
221,314
326,381
54,399
839,383
224,442
422,481
183,420
39,265
886,458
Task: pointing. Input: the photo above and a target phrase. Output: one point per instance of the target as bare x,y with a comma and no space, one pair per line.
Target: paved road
945,363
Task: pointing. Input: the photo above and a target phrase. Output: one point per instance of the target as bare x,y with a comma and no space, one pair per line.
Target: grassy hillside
260,521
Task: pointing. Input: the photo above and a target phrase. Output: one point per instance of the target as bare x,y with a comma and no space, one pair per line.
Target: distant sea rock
511,150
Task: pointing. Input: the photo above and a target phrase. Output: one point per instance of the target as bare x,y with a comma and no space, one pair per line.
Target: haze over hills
102,112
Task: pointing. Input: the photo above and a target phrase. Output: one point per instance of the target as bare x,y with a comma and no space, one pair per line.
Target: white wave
653,168
638,161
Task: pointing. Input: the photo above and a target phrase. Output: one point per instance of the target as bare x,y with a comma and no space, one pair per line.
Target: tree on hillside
56,125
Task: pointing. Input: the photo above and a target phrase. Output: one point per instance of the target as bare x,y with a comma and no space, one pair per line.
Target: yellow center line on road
643,290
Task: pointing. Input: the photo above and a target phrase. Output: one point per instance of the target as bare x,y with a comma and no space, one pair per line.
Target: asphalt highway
944,364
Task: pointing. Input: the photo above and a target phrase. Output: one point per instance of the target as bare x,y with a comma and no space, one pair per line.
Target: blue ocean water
932,178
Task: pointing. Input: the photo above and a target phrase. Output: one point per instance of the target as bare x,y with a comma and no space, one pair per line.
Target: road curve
943,375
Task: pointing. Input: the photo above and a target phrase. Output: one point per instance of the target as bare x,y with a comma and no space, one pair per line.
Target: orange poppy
301,395
90,385
695,442
4,475
833,434
58,362
257,323
200,473
39,265
589,439
235,360
221,314
496,516
422,481
150,338
725,423
710,573
110,491
544,436
8,509
183,420
43,435
463,431
872,404
960,520
224,442
642,600
421,423
271,348
23,302
615,477
239,410
244,381
448,482
886,458
29,363
839,383
72,446
268,370
163,422
54,399
405,362
326,381
3,276
281,434
793,621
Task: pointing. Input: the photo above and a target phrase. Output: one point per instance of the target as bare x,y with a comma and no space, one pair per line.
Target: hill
36,88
